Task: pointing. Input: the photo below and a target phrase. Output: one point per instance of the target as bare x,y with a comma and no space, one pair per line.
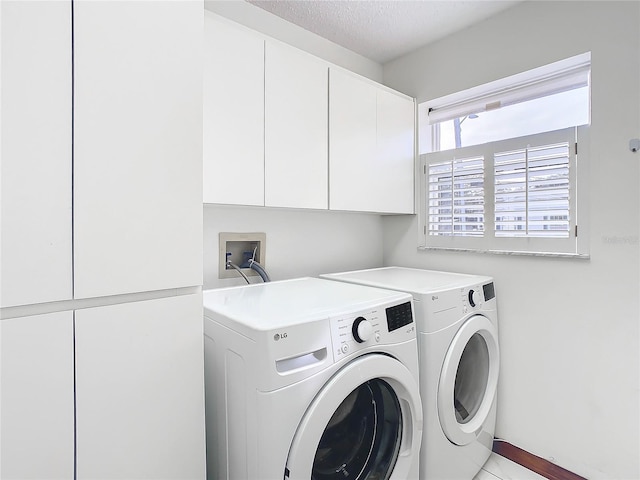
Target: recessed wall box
239,248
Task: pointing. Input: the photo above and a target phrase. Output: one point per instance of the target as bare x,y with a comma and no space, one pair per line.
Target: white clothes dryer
457,324
311,379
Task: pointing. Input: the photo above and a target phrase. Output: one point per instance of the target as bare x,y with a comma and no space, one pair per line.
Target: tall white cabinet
36,397
35,165
139,383
101,308
137,146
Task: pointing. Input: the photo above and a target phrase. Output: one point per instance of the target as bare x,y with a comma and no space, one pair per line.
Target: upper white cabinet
296,128
279,131
395,152
371,148
35,159
352,120
140,390
36,398
233,141
137,146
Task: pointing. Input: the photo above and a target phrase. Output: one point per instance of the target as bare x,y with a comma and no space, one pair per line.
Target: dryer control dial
362,329
475,298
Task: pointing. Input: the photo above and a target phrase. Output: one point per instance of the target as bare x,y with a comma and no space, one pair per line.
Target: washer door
366,422
469,380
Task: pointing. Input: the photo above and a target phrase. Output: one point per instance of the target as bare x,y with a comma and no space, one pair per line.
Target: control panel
356,331
399,315
475,296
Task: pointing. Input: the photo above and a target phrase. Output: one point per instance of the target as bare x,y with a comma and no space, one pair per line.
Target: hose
253,265
233,265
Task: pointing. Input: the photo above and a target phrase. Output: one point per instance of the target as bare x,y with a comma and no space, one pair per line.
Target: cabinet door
140,390
396,152
137,146
352,142
35,159
371,150
233,141
36,398
296,129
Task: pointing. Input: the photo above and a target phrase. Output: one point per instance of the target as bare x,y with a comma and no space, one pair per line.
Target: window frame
556,77
575,245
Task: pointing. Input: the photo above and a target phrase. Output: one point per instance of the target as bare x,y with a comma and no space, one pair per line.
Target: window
553,112
507,185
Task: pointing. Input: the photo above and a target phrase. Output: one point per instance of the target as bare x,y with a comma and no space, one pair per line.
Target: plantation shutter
514,195
532,191
456,197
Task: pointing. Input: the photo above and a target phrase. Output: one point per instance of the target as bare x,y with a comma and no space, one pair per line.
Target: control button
344,348
377,337
474,298
362,329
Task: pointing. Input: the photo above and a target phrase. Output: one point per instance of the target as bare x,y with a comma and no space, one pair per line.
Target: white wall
268,24
569,329
299,242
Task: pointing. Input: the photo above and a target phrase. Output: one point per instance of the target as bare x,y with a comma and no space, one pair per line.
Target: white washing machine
311,379
457,324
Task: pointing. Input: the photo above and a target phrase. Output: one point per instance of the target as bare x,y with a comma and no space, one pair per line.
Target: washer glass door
365,423
362,437
469,380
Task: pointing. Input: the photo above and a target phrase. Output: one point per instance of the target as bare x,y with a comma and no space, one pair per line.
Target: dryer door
468,380
366,422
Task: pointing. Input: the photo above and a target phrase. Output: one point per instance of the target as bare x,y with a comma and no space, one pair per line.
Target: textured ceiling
383,30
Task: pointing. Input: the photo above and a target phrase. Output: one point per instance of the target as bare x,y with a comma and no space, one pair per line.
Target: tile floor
500,468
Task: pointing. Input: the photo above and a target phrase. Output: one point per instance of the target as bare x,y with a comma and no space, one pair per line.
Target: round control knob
474,298
362,329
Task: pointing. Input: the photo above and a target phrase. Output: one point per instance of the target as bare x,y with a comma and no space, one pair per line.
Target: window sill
581,256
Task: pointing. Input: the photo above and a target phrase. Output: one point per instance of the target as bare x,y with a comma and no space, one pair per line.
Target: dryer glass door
364,424
472,378
468,380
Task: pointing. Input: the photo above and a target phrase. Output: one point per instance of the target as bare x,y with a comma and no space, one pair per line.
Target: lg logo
279,336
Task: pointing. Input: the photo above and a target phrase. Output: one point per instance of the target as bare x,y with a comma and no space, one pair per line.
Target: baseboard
534,463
